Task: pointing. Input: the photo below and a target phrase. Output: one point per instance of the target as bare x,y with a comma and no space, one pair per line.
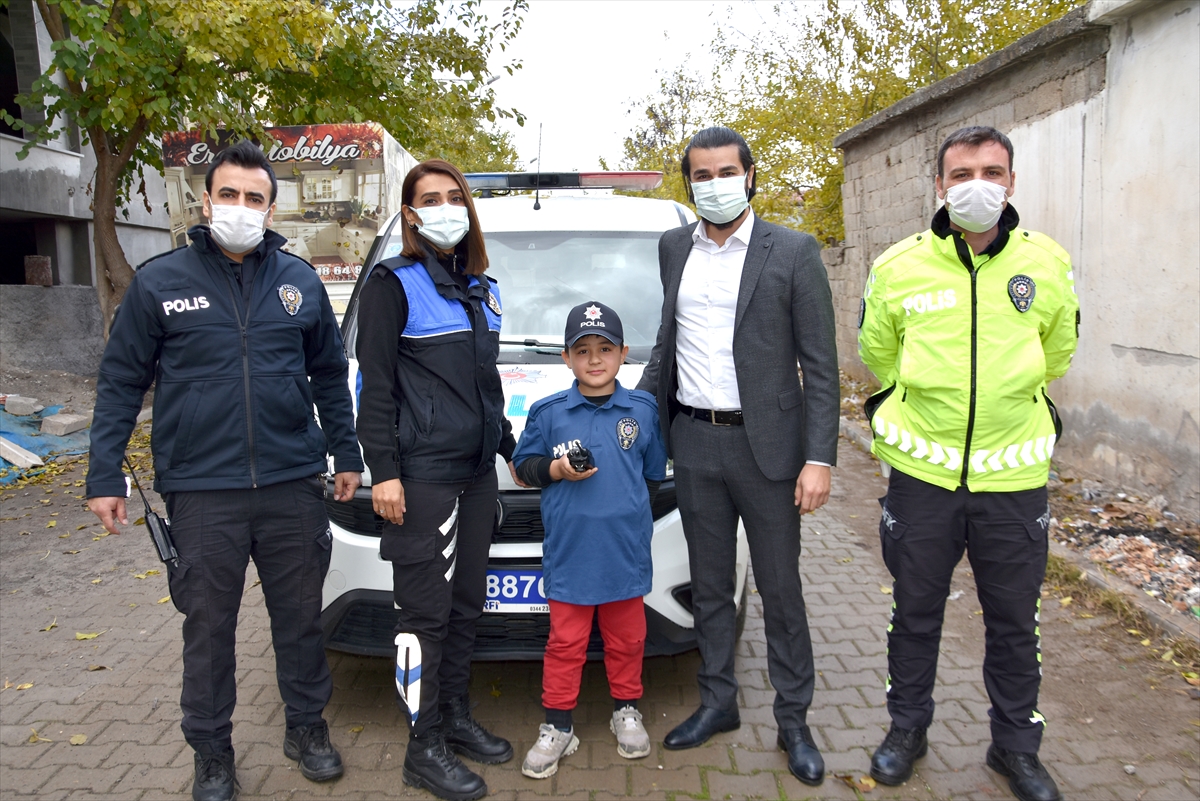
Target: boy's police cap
593,317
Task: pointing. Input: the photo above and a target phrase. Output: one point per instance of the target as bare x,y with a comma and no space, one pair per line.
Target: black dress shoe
1027,778
429,763
216,777
704,723
892,762
310,746
465,736
804,760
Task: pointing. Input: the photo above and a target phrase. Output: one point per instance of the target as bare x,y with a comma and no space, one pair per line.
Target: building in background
45,203
1101,106
337,185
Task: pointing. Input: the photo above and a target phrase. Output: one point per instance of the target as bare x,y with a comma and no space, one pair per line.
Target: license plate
515,591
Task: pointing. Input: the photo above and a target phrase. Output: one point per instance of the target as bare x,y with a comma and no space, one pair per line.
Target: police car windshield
544,274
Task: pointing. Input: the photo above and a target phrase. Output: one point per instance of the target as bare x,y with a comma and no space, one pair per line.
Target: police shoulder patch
492,302
1021,290
627,432
291,298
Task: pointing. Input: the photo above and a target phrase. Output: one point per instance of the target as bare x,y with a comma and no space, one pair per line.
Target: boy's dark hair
714,137
244,154
973,136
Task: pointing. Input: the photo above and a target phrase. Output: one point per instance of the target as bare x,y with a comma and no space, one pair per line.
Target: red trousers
623,626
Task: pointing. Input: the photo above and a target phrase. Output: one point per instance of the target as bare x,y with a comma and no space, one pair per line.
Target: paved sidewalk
1099,693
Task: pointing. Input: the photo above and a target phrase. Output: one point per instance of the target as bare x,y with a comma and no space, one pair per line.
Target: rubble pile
1139,540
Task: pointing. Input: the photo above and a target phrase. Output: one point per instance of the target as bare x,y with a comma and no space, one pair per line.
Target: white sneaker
552,745
632,740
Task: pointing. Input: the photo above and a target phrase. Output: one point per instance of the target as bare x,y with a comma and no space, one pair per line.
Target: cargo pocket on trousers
891,538
402,547
177,584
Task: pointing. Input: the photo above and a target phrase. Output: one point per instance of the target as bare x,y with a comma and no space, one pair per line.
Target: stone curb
1168,620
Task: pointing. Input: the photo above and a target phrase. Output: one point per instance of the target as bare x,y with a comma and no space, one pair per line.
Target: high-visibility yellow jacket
964,346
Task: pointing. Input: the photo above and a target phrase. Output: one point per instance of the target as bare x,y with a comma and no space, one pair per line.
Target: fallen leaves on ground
91,635
78,739
70,553
1066,601
356,729
94,668
52,524
97,581
885,590
163,600
53,625
37,738
27,685
863,784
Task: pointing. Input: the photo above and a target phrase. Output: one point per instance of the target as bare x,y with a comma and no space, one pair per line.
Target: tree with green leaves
820,69
657,143
128,71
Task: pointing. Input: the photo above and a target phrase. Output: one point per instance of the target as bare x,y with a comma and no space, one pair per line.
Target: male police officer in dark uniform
240,341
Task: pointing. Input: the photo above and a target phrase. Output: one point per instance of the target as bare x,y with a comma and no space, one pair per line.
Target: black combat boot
465,736
1027,777
216,776
893,760
428,763
319,760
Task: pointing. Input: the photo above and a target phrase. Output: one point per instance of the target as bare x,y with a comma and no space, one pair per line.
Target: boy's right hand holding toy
561,470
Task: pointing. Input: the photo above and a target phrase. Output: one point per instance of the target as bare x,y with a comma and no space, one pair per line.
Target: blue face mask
721,199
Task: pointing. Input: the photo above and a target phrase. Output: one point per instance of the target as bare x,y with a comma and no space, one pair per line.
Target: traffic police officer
964,325
240,341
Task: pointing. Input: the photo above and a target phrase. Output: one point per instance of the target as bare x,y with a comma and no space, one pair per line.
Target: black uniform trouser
924,530
284,528
439,580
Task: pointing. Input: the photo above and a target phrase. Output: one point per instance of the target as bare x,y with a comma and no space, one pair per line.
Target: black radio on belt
160,529
580,458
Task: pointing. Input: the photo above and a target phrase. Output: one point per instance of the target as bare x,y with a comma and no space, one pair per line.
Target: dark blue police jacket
597,546
234,385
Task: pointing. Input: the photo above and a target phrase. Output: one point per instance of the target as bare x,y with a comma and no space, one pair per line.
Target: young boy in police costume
596,554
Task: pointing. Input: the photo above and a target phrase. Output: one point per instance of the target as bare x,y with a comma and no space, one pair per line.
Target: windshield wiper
533,343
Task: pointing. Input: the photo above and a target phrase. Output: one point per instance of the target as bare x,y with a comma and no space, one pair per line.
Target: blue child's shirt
597,545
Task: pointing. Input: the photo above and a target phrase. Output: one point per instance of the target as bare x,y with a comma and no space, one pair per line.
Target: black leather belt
733,418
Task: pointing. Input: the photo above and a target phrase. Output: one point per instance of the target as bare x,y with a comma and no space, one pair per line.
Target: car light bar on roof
631,180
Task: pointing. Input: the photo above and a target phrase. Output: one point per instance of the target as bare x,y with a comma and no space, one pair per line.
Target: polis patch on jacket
1022,290
291,299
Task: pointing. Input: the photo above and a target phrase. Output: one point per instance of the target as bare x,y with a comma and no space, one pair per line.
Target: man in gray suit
744,301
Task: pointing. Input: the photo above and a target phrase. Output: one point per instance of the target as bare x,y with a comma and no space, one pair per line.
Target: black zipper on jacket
964,255
243,322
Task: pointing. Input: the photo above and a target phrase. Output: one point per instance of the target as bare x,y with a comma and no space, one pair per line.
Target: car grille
521,518
355,515
520,521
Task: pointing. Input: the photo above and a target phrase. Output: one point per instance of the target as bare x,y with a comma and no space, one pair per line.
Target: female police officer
431,421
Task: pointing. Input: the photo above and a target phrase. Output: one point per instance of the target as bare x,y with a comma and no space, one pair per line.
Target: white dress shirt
704,315
705,309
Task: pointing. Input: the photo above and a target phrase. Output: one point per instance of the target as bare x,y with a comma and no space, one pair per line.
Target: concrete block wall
50,328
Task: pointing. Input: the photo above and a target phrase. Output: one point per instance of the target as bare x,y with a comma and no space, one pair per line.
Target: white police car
581,244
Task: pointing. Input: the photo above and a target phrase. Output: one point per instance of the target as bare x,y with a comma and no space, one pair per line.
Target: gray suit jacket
784,316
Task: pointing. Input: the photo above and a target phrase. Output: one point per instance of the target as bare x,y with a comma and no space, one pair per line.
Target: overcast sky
587,63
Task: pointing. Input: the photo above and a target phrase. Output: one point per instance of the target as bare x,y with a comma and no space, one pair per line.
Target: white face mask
236,228
976,206
721,199
443,225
